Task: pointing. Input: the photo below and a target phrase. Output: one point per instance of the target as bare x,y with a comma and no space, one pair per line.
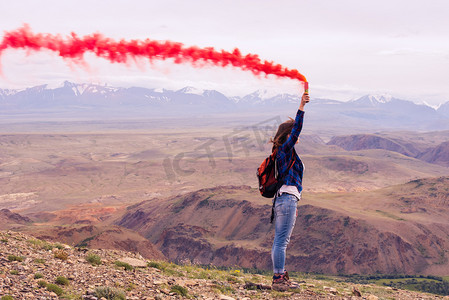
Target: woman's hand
304,100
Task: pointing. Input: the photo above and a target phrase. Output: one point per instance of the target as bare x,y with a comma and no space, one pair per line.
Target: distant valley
171,175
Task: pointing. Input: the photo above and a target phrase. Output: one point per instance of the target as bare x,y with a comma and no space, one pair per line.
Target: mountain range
93,102
438,154
227,225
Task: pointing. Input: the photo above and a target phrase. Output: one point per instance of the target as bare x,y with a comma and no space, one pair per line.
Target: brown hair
281,135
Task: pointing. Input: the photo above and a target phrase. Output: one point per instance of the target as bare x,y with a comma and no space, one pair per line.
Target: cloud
345,48
411,52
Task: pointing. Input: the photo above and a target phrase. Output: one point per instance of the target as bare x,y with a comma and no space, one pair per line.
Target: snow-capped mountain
190,90
374,100
264,98
80,89
6,93
435,107
95,101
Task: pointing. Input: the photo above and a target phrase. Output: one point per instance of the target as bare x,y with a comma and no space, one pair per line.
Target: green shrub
7,297
204,275
4,241
42,283
61,280
14,272
39,261
40,244
232,279
109,293
153,264
224,289
127,266
59,246
180,290
173,272
38,276
84,243
47,246
55,289
93,259
15,258
35,242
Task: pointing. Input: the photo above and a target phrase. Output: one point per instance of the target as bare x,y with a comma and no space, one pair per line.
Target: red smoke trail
74,47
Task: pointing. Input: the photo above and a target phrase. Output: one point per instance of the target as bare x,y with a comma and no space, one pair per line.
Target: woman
285,202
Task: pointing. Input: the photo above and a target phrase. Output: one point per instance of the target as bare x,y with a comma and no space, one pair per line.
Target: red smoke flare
74,47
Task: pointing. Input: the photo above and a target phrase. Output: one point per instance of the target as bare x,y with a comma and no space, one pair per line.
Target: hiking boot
282,283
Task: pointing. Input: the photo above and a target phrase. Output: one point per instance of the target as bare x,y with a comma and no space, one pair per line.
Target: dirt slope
230,226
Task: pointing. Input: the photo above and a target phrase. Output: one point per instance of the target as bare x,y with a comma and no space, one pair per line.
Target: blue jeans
285,212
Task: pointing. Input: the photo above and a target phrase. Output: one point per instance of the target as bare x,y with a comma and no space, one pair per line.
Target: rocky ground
36,269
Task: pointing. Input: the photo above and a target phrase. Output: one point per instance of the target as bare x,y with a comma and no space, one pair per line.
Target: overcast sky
346,49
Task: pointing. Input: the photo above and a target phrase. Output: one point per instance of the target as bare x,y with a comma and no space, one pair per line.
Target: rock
134,262
356,292
372,297
190,283
256,286
224,297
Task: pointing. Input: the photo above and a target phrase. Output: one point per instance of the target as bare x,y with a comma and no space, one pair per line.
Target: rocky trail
35,269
